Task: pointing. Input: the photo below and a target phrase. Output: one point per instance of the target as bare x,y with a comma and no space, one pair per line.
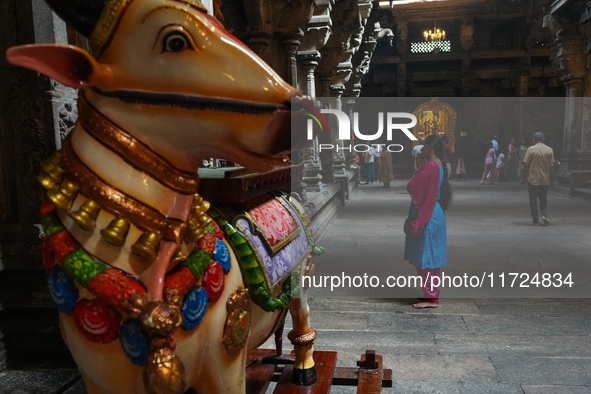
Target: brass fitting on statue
147,245
86,215
63,195
173,296
164,373
135,304
160,318
178,256
116,232
302,340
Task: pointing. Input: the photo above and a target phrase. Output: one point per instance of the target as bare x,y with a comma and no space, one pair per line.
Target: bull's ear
67,64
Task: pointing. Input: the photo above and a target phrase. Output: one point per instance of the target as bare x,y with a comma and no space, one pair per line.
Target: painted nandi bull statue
157,291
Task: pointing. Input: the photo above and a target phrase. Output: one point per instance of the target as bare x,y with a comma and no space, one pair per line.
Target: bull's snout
288,129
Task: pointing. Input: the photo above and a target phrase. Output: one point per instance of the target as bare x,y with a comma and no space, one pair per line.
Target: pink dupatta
423,189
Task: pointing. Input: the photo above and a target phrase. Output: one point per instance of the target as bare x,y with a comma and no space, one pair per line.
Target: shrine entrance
436,117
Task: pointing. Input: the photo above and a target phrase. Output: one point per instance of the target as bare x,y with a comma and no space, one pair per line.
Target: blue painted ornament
194,307
62,289
221,254
135,343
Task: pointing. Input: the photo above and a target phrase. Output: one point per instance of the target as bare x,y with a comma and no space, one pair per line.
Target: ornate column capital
319,27
259,42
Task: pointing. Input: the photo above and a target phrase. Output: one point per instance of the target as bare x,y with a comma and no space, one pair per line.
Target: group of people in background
376,165
503,163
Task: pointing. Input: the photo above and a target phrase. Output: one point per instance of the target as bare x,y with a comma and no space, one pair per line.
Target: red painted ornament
62,244
47,206
114,287
96,320
213,281
244,322
183,280
218,231
47,256
207,243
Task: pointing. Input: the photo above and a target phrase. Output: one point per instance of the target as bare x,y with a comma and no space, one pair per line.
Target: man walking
538,172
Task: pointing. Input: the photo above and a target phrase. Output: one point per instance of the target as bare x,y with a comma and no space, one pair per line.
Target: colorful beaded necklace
148,326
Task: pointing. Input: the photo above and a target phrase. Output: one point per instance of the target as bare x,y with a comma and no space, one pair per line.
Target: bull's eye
176,42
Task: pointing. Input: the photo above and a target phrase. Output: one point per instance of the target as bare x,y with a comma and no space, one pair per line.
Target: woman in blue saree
426,246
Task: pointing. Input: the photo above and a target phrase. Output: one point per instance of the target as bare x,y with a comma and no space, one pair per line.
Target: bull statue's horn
82,15
97,19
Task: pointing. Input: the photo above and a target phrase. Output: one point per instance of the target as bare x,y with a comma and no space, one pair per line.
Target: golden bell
86,215
47,181
64,195
52,166
53,170
147,245
204,220
116,232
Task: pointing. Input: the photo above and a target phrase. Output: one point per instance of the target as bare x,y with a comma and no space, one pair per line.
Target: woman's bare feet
425,305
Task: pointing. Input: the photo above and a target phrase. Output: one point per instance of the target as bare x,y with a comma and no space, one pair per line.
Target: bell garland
189,289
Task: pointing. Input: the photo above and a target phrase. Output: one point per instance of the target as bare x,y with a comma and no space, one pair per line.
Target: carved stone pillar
568,60
401,79
316,34
467,35
309,62
31,127
402,37
465,77
312,178
333,162
290,42
569,56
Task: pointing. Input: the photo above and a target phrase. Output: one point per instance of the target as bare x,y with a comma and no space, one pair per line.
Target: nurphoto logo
392,121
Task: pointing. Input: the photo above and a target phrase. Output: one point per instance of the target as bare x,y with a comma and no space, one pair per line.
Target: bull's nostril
298,103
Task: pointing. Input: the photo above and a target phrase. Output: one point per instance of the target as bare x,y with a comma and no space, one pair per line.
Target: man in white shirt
416,154
368,158
495,145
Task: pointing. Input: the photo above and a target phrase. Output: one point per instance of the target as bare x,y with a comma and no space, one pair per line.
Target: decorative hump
82,15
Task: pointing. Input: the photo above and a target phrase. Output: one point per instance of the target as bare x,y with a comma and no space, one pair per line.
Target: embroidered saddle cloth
275,231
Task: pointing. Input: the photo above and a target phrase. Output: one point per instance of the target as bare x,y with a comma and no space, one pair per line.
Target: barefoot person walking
426,241
538,172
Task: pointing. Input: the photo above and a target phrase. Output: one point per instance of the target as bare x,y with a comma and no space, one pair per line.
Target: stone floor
484,341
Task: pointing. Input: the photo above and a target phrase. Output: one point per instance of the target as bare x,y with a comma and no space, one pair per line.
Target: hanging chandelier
434,35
